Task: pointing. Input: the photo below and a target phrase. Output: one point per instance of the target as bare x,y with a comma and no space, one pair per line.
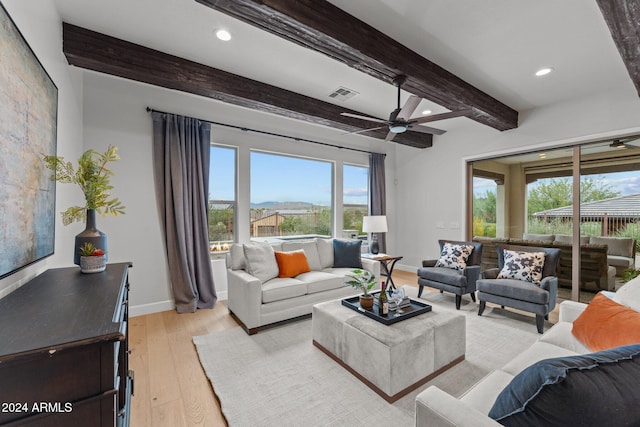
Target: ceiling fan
400,119
624,143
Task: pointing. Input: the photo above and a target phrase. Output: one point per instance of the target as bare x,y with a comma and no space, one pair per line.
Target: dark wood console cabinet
64,350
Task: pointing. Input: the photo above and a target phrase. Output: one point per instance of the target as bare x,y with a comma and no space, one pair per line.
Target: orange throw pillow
605,324
292,263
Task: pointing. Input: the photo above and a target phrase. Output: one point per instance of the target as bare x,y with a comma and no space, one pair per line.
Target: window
484,207
355,197
290,196
222,198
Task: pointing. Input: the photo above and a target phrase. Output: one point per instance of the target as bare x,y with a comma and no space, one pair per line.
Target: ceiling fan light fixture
397,128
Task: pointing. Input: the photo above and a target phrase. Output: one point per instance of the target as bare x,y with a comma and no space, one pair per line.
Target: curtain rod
264,132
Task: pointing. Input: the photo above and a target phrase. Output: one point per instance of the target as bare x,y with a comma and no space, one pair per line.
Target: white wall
431,182
114,113
40,25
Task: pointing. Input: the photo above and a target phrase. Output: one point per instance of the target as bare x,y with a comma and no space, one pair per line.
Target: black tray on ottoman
415,309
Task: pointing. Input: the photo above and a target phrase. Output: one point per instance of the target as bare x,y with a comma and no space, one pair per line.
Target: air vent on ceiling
343,93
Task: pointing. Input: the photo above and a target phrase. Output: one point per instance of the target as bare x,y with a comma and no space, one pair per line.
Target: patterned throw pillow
454,256
526,266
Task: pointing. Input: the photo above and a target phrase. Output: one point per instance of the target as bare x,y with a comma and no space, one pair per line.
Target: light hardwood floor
171,388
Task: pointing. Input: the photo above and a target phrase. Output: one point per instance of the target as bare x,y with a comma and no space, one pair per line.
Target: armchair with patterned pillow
525,280
456,271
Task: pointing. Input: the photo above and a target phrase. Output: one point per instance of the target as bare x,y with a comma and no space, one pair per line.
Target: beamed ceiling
326,29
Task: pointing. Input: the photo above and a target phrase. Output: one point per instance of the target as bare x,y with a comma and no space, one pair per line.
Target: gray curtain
181,171
378,192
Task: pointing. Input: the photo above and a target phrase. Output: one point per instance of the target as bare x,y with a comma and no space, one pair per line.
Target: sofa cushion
606,324
454,256
261,260
236,257
346,253
619,261
514,289
621,246
560,335
629,294
484,393
320,281
594,389
443,275
325,252
538,351
526,266
280,289
292,263
565,239
309,248
546,238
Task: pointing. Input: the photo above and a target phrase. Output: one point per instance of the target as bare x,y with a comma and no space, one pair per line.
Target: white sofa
435,407
256,304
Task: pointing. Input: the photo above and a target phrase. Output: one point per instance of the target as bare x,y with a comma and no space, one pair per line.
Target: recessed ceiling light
544,71
543,155
223,35
425,112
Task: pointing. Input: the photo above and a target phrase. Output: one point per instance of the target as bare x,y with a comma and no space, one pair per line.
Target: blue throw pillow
346,253
595,389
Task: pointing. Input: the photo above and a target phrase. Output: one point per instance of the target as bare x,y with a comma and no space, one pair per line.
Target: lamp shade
375,224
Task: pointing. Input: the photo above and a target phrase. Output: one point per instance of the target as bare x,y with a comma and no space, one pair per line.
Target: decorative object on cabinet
29,111
92,259
93,177
65,341
374,224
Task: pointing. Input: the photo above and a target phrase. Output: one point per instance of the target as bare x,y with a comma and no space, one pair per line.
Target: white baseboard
408,268
156,307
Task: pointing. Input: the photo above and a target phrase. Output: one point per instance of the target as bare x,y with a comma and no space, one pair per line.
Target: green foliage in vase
93,177
361,279
88,249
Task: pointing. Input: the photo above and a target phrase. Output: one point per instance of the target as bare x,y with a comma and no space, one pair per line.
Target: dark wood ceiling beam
98,52
325,28
623,20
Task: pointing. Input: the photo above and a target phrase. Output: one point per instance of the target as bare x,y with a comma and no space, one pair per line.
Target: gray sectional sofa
435,407
257,301
621,251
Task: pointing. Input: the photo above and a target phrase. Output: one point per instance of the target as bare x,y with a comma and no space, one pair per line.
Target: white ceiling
496,45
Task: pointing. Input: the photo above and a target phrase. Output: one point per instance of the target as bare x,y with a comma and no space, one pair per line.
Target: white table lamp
374,224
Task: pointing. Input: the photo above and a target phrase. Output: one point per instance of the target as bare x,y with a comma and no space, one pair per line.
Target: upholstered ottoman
392,360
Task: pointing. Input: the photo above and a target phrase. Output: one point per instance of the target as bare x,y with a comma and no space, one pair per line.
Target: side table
387,263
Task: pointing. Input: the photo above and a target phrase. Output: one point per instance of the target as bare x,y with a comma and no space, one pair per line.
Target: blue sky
624,182
285,179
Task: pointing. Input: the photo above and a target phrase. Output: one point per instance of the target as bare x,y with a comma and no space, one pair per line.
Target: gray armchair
458,282
520,294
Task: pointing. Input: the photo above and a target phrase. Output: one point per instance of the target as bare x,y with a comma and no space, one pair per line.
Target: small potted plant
365,281
92,259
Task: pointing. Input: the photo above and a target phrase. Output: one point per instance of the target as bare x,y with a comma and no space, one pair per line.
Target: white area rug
278,378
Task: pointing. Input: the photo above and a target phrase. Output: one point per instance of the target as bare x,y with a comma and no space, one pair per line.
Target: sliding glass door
590,192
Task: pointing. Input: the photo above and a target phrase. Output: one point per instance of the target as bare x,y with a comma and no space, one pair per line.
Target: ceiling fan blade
363,130
426,129
356,116
441,116
409,107
390,136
